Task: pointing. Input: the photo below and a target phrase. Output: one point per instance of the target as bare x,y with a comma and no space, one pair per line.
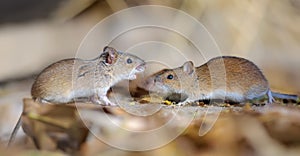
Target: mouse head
123,65
172,80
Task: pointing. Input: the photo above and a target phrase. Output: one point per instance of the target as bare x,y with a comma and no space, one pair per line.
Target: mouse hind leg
258,94
270,97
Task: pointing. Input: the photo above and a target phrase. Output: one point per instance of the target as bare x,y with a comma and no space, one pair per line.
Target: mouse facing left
227,77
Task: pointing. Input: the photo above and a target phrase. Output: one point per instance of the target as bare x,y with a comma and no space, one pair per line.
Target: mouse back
54,80
240,75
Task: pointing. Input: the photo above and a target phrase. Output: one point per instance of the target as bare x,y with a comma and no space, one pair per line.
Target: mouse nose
157,79
148,83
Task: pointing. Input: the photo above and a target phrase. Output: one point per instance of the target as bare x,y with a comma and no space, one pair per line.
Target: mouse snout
157,79
143,64
141,67
148,83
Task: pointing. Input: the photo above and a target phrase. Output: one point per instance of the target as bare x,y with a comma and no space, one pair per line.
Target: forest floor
148,126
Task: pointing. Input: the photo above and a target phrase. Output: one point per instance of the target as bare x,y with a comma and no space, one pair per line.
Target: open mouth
140,68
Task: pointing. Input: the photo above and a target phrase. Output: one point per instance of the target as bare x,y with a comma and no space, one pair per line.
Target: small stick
14,132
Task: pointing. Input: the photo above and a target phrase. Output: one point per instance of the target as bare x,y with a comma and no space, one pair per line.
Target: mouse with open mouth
68,79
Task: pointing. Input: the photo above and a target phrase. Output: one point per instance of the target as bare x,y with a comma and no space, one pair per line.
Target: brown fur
68,79
227,77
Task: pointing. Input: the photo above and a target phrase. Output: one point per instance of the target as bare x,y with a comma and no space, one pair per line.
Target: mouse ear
112,54
188,67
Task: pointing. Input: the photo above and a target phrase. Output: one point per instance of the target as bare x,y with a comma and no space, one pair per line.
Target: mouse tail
285,96
14,132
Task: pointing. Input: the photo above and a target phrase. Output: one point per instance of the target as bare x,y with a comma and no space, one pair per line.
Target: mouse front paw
182,103
102,100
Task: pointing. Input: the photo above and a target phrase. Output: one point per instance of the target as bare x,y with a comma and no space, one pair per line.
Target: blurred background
35,33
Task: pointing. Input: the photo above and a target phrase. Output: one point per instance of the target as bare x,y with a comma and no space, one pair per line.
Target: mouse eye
170,77
129,61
